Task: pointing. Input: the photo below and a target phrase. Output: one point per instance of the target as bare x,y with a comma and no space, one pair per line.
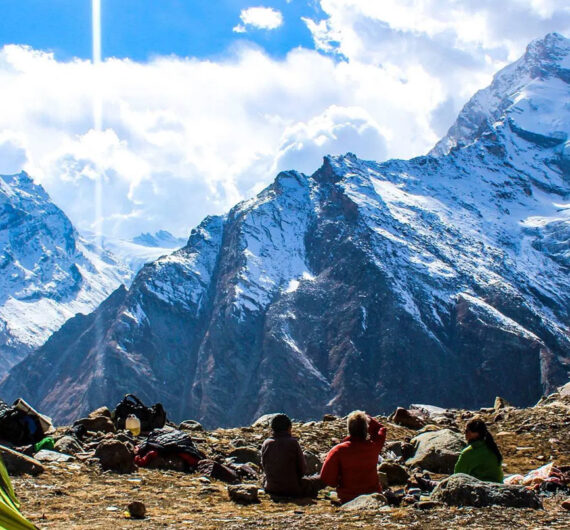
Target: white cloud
260,18
184,138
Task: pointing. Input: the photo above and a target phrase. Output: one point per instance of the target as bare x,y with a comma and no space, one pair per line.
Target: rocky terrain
78,494
442,279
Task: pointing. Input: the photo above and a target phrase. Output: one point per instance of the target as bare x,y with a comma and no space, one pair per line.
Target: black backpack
19,428
150,417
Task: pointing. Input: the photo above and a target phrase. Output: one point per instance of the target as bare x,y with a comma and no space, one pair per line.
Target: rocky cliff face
48,273
442,279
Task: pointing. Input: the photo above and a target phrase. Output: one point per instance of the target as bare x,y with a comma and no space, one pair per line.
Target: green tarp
10,516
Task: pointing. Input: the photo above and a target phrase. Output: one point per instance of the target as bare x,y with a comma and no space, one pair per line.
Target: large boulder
18,463
116,456
436,451
465,490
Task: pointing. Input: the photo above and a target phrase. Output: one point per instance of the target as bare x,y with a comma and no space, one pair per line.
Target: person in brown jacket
284,463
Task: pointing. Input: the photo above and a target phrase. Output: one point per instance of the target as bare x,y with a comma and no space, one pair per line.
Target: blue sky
204,102
141,29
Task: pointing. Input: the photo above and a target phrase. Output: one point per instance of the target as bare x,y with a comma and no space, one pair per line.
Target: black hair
280,423
477,425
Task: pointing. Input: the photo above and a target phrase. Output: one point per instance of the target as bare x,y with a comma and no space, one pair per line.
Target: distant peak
551,49
161,239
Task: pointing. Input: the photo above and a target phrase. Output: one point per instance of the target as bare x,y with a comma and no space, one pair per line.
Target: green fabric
10,516
45,443
480,462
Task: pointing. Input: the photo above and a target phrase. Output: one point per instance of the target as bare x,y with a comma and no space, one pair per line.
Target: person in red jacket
350,466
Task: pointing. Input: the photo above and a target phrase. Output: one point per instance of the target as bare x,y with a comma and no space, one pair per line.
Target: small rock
330,417
52,456
96,424
500,403
115,456
427,505
372,501
566,504
101,411
239,442
313,462
213,469
402,450
465,490
191,425
406,418
395,473
68,445
244,455
137,510
18,464
243,493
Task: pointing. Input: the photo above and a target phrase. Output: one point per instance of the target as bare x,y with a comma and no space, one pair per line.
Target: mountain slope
48,273
441,279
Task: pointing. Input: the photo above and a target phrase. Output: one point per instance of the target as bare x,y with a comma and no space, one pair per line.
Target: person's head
281,424
476,429
357,424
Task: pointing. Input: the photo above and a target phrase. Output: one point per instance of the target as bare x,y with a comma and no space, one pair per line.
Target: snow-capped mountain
142,249
442,279
48,273
160,239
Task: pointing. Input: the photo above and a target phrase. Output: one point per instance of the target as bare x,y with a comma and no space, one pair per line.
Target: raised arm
377,432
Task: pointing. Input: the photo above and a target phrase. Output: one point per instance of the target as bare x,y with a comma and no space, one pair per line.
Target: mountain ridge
441,279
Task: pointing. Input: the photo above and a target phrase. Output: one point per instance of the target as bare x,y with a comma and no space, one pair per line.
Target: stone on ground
97,424
406,418
437,451
191,425
52,456
465,490
101,411
313,462
265,420
68,445
115,456
372,501
245,455
137,510
395,473
243,493
18,463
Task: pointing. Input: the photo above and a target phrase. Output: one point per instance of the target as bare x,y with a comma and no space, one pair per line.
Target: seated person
480,459
284,463
350,466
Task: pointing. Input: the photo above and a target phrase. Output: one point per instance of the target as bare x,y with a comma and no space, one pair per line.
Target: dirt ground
79,495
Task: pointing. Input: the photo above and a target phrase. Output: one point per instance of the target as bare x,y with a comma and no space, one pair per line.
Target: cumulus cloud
183,138
13,152
259,18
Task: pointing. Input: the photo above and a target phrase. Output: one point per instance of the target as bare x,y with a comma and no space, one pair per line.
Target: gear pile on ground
211,479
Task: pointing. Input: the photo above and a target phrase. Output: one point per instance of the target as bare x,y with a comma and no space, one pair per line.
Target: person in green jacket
481,458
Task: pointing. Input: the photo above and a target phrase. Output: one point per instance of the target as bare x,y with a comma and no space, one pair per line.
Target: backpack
19,428
151,417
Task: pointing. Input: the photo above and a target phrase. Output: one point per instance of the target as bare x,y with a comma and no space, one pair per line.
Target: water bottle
133,424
